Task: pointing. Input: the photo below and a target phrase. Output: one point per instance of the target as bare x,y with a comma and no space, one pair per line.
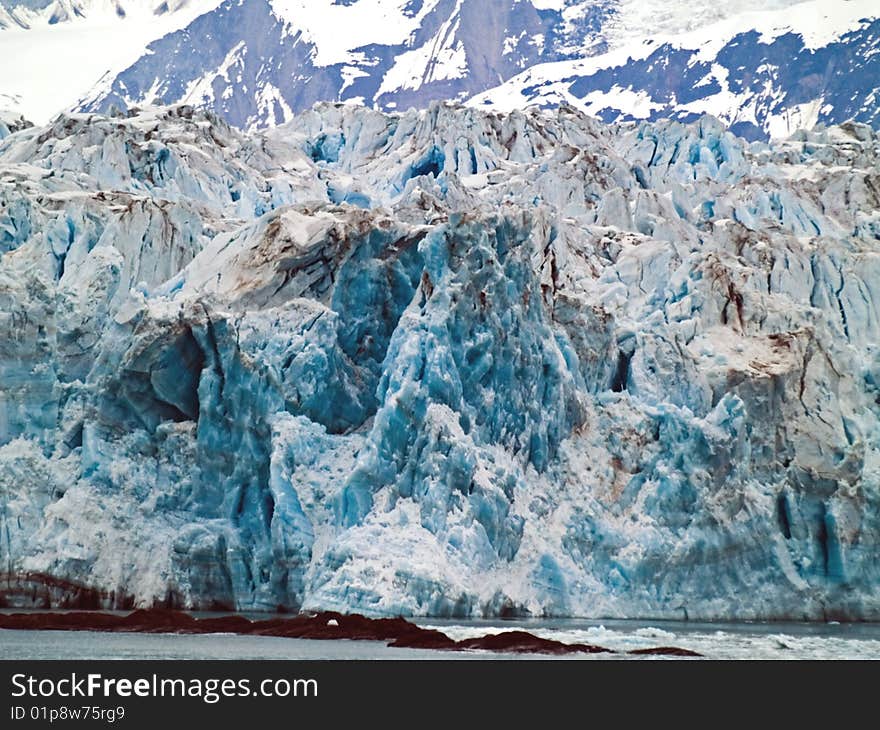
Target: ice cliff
444,362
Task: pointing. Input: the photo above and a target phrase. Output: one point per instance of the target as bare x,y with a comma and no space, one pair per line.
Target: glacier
448,362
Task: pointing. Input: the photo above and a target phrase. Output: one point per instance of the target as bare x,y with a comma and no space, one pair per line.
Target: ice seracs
448,362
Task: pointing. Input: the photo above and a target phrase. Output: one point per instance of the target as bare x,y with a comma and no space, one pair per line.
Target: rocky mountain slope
764,68
446,362
769,72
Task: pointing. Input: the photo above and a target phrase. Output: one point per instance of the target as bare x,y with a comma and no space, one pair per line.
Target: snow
549,4
710,25
800,116
25,14
55,65
816,22
442,57
391,54
637,104
337,29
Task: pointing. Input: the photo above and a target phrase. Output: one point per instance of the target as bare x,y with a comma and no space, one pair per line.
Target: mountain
259,61
450,362
29,14
766,69
767,72
54,52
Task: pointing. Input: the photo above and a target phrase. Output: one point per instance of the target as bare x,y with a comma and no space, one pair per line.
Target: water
713,640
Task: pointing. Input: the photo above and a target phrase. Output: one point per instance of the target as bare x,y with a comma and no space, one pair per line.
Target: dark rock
522,642
665,651
322,625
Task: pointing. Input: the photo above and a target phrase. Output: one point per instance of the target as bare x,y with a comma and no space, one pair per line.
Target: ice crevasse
446,362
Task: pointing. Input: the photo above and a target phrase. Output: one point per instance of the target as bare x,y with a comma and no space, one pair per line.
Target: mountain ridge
765,71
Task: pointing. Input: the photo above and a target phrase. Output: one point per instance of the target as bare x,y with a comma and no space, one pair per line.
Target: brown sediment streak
321,625
42,590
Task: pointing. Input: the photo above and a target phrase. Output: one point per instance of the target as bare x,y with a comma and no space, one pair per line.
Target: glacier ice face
11,122
446,362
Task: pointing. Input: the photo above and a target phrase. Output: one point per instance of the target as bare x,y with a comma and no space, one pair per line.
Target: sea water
712,640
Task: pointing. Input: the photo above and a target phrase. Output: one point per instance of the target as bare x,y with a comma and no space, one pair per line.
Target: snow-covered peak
35,13
768,67
770,70
62,48
634,17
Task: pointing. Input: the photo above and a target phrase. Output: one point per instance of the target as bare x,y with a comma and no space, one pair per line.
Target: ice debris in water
446,362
